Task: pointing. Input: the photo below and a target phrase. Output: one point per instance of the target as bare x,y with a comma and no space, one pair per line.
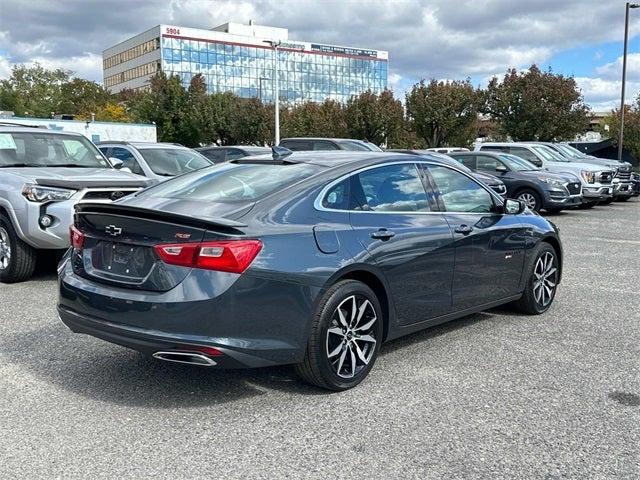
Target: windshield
355,146
170,162
517,164
359,146
45,149
230,182
549,154
570,152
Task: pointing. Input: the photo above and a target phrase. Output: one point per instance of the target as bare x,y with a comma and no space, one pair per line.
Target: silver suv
158,161
43,175
597,181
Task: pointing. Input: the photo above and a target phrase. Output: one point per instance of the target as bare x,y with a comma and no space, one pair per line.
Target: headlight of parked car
38,193
551,181
589,177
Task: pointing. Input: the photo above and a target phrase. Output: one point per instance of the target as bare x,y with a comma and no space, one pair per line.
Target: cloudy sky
452,39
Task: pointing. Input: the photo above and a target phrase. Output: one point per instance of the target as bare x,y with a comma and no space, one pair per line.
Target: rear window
170,162
232,182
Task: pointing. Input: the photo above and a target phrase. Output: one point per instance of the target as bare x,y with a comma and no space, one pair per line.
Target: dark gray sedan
313,259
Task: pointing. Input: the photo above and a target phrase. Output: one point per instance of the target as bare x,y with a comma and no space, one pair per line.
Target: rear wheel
531,199
17,259
543,273
345,337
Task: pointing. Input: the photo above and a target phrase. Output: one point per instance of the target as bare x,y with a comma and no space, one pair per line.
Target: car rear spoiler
201,221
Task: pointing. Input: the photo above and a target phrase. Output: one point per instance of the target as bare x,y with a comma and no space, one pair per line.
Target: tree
631,127
378,118
112,112
444,113
165,104
82,98
536,105
33,90
312,119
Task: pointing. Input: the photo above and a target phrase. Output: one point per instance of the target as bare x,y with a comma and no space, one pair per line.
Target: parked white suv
43,175
597,181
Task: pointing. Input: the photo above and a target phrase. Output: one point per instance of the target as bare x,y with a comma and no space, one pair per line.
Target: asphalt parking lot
494,395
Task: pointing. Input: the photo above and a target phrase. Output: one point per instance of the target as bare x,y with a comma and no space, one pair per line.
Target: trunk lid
119,242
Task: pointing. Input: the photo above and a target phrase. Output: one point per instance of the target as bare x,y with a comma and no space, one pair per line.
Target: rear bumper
247,318
150,342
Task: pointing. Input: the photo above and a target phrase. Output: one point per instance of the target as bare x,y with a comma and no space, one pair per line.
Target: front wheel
622,199
345,337
531,199
607,201
17,259
543,274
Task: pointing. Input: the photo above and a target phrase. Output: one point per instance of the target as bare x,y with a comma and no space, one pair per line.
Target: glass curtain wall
248,71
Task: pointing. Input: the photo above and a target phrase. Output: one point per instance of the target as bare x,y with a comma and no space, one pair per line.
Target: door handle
464,229
383,234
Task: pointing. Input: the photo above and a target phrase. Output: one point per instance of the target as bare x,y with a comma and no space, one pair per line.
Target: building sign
316,47
172,31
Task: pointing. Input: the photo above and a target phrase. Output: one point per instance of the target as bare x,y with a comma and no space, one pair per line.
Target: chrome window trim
317,204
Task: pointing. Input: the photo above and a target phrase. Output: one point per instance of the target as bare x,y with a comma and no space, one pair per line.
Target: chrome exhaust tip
185,357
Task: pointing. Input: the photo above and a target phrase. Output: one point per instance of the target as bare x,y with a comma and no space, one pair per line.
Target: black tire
317,367
622,199
18,262
531,198
529,303
553,210
607,201
588,205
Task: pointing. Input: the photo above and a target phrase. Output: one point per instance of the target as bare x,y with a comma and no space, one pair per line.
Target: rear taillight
76,237
233,256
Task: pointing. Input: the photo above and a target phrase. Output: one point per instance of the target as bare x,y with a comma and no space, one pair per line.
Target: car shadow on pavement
103,372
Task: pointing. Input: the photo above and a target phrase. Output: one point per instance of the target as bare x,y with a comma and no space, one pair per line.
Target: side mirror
119,165
116,162
501,169
513,207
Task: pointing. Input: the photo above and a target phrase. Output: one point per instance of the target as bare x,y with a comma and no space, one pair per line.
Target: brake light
233,256
76,237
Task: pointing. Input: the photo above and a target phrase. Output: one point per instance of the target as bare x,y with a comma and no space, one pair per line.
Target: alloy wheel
351,338
545,279
529,199
5,249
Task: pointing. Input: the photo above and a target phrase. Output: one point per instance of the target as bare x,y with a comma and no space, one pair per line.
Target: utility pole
276,87
624,74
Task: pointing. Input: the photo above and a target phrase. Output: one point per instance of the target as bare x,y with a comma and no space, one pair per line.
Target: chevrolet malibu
311,258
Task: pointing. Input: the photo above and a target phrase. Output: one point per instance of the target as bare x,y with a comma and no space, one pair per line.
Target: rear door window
390,188
486,163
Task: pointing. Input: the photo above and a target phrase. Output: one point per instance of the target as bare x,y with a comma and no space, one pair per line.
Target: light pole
276,87
624,74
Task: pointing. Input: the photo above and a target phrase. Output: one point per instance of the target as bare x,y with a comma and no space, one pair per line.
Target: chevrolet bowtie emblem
113,230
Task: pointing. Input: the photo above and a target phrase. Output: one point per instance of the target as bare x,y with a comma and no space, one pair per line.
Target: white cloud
613,70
